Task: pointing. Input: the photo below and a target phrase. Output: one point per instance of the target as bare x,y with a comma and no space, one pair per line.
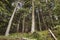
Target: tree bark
33,18
23,26
52,34
50,15
18,25
39,22
44,23
10,22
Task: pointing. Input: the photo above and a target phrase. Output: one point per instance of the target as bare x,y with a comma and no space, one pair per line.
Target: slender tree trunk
18,25
50,15
33,18
53,25
52,34
10,22
23,26
43,19
39,22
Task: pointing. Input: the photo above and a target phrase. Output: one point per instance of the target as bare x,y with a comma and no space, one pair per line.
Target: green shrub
35,35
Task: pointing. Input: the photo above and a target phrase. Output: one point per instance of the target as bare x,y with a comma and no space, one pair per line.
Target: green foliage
57,31
6,11
43,35
35,35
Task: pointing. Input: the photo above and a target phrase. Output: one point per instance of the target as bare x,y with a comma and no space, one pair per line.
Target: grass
42,35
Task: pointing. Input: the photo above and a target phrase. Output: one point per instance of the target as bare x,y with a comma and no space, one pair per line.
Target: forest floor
42,35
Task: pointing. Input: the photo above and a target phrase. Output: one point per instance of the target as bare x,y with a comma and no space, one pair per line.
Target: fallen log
52,34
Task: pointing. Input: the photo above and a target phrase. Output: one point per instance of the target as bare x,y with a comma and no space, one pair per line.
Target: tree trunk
23,26
41,12
33,18
18,25
50,15
52,34
39,22
10,22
